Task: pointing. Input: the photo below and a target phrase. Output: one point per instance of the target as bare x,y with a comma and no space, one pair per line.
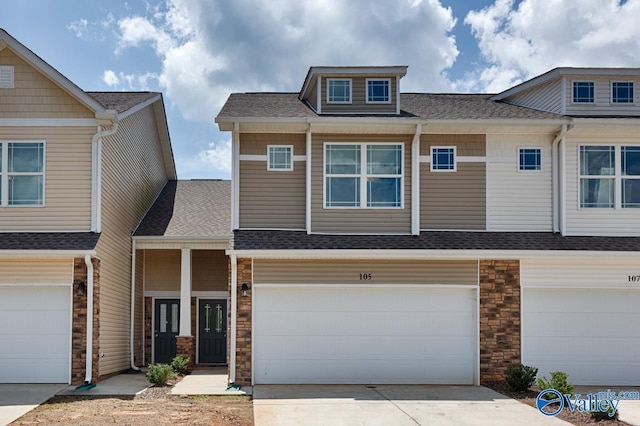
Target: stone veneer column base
186,346
243,323
79,322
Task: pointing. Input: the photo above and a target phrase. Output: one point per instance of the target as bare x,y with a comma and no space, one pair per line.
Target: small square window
338,91
530,159
443,159
280,157
378,91
622,92
583,92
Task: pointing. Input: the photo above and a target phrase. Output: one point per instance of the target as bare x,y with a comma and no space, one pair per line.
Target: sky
197,52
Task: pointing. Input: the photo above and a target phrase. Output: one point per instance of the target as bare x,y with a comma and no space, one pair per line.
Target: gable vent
6,76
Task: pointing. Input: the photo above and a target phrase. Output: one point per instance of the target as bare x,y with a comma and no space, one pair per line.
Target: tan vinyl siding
34,95
358,220
209,270
453,200
67,180
466,145
256,143
36,271
162,270
359,97
313,97
546,97
602,93
133,174
138,334
281,271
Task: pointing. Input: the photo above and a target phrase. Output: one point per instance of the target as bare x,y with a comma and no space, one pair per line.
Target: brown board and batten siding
359,97
35,96
454,200
133,173
287,271
271,199
358,220
67,181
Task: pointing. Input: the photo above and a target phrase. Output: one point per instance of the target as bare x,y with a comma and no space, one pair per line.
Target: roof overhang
45,254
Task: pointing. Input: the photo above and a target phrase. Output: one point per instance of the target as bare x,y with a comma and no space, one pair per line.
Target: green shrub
159,374
180,364
604,415
558,382
520,377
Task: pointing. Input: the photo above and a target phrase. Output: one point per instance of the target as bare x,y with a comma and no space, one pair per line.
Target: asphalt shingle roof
121,101
80,241
195,208
420,105
433,240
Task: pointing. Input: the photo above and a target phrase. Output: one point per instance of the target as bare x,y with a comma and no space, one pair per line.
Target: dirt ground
575,417
153,407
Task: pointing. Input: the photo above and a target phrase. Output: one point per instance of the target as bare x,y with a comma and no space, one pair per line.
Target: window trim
366,86
279,169
633,93
363,176
4,174
455,159
329,101
573,92
540,166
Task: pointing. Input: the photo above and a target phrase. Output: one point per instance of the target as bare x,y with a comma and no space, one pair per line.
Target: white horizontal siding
602,92
546,97
518,201
605,273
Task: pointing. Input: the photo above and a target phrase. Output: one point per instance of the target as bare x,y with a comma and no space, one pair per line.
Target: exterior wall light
245,290
81,290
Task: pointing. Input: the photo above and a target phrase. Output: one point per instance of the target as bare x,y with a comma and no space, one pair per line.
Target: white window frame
388,81
633,92
329,81
626,177
5,175
455,159
7,77
523,148
573,90
271,168
363,175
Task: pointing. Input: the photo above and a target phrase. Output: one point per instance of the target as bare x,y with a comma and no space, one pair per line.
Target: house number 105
365,277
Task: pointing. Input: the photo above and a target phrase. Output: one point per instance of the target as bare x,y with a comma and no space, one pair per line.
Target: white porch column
185,292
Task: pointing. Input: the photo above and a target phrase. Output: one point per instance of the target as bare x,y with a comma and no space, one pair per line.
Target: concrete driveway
17,399
397,405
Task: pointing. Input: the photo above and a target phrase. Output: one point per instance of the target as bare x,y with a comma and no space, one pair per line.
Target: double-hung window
378,91
622,92
280,157
597,176
339,91
630,156
22,174
359,175
583,92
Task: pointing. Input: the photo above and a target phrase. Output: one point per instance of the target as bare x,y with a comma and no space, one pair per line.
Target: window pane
384,159
25,190
343,159
622,92
383,192
343,192
583,91
279,157
26,157
530,159
631,160
378,90
442,159
596,193
339,91
597,161
631,193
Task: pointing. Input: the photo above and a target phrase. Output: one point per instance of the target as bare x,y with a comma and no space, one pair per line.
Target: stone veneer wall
499,317
79,322
243,323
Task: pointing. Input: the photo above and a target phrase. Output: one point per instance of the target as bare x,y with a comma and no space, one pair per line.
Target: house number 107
365,277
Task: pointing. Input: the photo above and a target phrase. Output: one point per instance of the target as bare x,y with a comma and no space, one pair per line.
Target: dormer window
339,91
622,92
583,92
378,91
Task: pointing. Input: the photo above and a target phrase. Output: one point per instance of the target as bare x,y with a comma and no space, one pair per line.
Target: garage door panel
364,335
605,325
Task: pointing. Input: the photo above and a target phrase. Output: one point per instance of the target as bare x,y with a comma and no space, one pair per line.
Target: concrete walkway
208,381
16,400
409,405
122,384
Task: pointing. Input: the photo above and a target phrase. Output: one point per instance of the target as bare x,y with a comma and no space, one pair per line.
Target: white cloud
217,156
522,42
110,78
91,30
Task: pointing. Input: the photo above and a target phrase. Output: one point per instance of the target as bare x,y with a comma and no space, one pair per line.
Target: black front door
212,340
167,326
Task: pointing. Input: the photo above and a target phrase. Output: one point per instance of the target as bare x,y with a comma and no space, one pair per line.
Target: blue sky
198,51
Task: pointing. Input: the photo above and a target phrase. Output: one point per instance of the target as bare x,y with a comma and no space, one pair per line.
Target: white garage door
359,335
592,334
35,334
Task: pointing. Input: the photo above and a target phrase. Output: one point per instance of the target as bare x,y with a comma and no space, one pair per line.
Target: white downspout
415,181
234,298
89,351
96,167
555,177
308,180
133,305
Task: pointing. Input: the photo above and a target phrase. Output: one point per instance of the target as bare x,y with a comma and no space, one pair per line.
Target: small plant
558,382
604,415
159,374
180,364
520,377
